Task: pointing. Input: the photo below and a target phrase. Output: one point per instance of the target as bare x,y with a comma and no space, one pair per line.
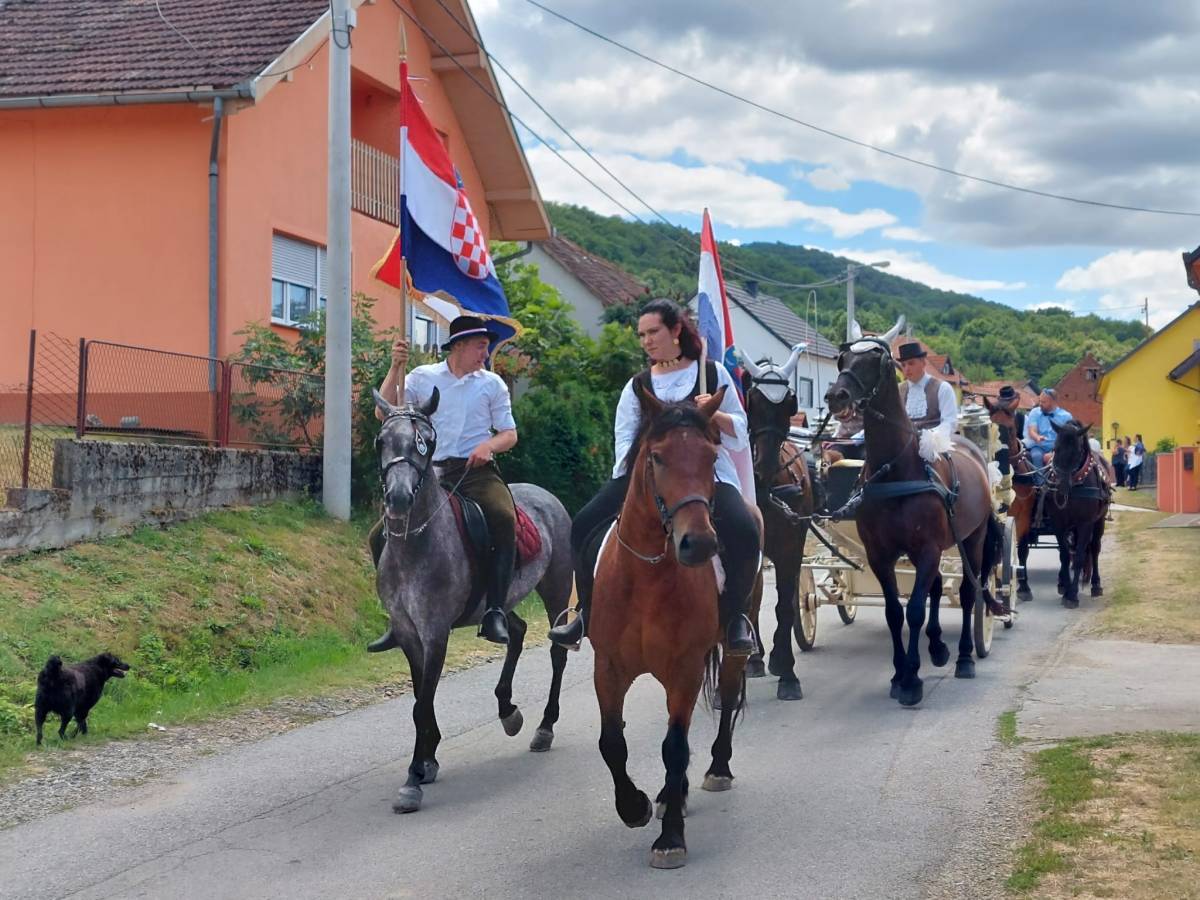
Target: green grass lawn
229,610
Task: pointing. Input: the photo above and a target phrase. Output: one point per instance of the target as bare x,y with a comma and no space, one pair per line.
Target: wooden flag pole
703,365
399,194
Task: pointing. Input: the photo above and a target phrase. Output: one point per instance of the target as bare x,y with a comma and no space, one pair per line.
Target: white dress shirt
947,404
470,409
672,387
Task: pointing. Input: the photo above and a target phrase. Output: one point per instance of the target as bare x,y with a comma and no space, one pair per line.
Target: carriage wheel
848,612
984,624
1008,567
805,604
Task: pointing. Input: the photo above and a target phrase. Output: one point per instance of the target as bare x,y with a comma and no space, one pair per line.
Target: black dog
72,691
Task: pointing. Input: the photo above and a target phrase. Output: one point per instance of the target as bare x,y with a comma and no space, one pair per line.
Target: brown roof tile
608,282
54,47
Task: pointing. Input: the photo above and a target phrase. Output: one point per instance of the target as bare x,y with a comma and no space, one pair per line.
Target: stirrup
565,636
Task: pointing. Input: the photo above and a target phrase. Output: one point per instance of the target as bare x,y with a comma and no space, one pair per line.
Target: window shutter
293,260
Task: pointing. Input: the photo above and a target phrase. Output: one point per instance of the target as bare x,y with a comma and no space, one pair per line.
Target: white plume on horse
934,443
775,389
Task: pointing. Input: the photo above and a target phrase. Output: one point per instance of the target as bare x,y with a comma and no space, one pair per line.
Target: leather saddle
476,538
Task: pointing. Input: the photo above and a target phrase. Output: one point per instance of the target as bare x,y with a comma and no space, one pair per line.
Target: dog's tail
51,672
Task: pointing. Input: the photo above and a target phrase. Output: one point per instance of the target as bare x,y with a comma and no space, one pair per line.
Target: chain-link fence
110,391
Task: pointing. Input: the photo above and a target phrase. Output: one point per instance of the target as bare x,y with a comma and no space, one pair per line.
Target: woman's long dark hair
673,314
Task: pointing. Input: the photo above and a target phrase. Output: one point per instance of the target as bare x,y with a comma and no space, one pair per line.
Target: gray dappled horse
424,582
784,494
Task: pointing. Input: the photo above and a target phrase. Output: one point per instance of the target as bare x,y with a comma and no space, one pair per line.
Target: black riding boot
572,633
494,626
739,635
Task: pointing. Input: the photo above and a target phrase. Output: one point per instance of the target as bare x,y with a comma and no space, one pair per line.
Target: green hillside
986,340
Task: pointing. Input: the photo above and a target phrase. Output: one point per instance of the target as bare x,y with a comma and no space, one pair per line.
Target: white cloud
1124,278
908,264
735,197
826,179
904,233
737,242
1052,304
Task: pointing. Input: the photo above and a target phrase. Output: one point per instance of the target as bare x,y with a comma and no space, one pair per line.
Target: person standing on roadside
1119,461
1137,456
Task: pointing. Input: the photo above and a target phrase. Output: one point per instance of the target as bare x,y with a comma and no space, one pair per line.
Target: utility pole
849,301
1146,310
336,460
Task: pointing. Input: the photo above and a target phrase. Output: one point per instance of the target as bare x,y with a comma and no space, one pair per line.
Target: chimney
752,288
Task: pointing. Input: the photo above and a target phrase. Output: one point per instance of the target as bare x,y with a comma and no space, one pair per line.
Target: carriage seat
840,479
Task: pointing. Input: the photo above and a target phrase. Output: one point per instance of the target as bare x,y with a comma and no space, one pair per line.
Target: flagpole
703,365
400,171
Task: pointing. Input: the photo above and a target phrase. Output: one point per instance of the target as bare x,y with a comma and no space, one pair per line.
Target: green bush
1165,445
565,443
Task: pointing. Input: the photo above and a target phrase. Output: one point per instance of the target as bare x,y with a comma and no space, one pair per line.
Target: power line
841,137
691,250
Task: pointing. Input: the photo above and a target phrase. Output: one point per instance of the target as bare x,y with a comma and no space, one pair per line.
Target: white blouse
672,387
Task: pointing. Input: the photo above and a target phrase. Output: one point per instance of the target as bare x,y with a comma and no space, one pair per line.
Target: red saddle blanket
529,539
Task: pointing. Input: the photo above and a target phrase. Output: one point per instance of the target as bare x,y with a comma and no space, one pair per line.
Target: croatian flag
715,326
712,306
439,237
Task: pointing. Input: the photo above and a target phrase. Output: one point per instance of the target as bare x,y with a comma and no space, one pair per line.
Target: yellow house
1154,390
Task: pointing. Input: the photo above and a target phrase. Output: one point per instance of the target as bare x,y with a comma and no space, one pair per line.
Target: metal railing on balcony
375,183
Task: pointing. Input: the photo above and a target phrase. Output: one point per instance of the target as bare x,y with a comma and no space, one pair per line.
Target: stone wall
103,488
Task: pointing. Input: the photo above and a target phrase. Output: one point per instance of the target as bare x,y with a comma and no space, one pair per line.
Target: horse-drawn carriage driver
474,422
929,401
671,341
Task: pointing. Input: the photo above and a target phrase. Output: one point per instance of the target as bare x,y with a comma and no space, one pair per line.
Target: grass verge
1006,728
1142,498
227,611
1120,817
1151,590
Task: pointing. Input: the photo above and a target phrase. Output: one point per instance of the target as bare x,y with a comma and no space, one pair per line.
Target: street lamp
851,268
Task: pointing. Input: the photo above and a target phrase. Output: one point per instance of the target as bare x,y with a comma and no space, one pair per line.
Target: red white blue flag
439,237
712,306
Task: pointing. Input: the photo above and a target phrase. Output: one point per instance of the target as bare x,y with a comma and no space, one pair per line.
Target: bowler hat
912,350
1007,396
469,326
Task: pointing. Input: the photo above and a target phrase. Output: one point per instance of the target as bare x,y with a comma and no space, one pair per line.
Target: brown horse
1078,493
914,508
784,491
654,610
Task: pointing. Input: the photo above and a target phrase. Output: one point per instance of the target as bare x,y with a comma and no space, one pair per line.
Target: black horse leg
719,777
968,596
783,658
425,662
1094,550
510,716
885,573
911,686
1064,564
939,653
1023,591
633,806
670,850
1081,552
544,736
754,662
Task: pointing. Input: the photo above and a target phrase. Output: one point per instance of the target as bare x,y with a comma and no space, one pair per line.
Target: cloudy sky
1097,99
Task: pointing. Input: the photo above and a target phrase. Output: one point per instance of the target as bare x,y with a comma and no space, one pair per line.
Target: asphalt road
843,794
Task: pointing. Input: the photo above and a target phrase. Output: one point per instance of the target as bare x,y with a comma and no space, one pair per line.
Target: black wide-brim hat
1008,395
469,326
911,350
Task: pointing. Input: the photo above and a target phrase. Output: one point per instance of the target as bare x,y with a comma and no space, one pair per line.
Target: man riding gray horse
474,422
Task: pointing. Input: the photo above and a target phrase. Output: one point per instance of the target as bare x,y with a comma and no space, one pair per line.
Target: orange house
164,177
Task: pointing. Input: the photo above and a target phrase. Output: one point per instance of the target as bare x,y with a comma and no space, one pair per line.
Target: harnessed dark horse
914,507
1077,497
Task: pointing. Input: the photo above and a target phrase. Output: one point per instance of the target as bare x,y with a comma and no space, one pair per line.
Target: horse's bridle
863,403
424,448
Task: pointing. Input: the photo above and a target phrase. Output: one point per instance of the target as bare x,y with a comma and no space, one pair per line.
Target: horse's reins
424,449
665,514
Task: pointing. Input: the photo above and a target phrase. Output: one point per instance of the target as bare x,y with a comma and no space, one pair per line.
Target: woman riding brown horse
914,507
655,611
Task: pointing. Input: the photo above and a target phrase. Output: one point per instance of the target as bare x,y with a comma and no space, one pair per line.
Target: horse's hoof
789,690
408,799
964,668
1097,592
718,783
755,668
513,723
939,654
642,814
431,771
542,739
894,693
671,858
1024,594
911,696
1071,602
660,809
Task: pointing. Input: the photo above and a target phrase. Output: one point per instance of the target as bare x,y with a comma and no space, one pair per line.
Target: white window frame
299,281
434,336
801,381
